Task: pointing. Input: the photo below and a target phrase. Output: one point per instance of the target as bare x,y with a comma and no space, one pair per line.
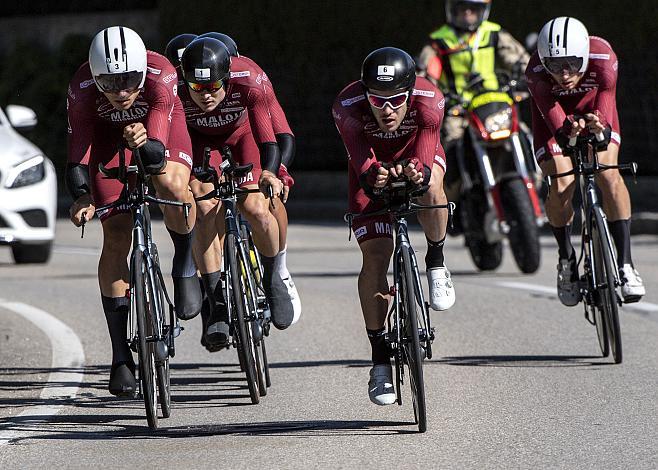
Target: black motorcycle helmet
226,39
175,47
388,69
206,60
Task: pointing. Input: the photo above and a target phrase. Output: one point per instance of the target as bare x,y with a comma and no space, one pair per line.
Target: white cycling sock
280,265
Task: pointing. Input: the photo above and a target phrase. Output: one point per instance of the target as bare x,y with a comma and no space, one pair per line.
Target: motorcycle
499,177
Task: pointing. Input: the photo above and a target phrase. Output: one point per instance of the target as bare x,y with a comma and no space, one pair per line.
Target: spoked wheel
143,300
260,368
412,352
240,307
266,364
166,335
164,388
254,276
606,283
601,330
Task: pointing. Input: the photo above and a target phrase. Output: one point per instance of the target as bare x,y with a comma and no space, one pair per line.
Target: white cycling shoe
380,385
294,299
442,292
632,287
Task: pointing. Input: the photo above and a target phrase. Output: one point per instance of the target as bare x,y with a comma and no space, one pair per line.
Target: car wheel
38,253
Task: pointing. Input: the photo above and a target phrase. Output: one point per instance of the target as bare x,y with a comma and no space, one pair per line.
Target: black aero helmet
175,47
387,69
226,39
205,60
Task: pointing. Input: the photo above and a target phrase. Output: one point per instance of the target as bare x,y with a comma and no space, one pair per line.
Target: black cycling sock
210,283
434,257
183,263
215,293
268,269
116,315
563,238
621,234
380,351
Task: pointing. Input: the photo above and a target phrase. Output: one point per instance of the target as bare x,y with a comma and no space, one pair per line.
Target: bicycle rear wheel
241,310
606,283
142,303
412,352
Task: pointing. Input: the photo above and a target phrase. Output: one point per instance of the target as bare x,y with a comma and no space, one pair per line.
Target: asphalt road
516,381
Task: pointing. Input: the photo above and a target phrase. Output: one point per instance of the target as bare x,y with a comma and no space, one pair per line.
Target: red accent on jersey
279,122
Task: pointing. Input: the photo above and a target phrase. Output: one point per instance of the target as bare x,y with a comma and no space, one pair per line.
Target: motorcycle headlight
502,120
28,172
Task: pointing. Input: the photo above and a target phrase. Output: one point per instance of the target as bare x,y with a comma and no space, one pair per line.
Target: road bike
242,273
409,333
600,281
153,325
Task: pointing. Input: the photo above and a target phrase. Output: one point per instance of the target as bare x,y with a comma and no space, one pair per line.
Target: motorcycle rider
467,50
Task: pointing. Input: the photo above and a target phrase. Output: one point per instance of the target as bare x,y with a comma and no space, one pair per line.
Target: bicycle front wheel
412,353
605,281
241,311
142,304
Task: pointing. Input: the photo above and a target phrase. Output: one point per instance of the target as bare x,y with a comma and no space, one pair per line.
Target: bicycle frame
585,166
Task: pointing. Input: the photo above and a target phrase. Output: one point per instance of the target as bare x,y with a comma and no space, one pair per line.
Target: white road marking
71,250
644,307
67,359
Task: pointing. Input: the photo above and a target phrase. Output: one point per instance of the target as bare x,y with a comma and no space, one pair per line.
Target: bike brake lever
451,211
83,222
270,194
186,213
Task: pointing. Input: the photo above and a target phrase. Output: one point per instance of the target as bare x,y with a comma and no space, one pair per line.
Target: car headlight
28,172
502,120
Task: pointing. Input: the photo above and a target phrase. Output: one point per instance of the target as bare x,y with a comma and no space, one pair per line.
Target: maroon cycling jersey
418,135
279,122
156,106
245,104
594,93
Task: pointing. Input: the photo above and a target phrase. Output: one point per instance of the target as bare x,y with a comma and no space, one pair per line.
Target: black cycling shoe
217,332
187,297
281,307
122,379
217,336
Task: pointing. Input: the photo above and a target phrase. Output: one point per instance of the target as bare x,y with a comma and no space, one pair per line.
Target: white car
28,190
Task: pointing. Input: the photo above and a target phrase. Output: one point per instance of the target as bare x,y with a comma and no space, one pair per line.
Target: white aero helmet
563,44
117,59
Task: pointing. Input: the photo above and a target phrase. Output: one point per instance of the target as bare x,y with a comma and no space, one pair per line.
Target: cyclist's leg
617,207
265,231
173,184
374,297
434,223
559,210
113,274
207,251
280,261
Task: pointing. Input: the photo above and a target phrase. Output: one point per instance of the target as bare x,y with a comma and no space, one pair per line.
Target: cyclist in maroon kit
226,105
126,95
390,116
573,81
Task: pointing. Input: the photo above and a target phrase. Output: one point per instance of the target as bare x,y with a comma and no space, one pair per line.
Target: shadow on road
520,361
65,427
